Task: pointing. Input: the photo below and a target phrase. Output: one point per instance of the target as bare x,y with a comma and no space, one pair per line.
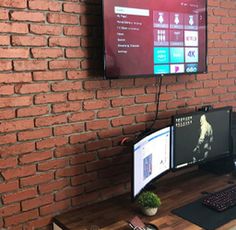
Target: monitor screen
154,37
201,136
151,158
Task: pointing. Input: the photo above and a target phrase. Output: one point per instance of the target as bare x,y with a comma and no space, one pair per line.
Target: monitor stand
221,166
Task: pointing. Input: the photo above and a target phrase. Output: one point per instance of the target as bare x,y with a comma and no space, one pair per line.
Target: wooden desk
174,192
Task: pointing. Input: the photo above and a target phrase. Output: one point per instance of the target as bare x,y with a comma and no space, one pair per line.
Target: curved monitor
200,137
154,37
151,158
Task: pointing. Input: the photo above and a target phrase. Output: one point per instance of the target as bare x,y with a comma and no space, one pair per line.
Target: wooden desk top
174,192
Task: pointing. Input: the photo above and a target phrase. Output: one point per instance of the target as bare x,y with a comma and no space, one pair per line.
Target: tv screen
154,37
201,136
151,158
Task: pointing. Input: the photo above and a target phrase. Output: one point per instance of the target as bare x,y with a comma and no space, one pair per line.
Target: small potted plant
149,203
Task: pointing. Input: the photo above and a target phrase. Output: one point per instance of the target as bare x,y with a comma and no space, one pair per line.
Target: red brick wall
61,123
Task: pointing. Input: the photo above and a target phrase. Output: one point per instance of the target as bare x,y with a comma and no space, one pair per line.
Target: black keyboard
222,199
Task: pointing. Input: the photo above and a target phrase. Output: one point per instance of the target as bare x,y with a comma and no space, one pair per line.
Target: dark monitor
151,158
200,137
154,37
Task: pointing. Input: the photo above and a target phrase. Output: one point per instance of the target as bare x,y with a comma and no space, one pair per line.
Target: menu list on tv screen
154,37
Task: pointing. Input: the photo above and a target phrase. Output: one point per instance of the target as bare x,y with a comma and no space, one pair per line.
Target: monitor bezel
174,167
149,75
134,197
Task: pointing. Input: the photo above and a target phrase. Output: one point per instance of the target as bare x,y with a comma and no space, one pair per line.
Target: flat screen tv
151,158
154,37
201,137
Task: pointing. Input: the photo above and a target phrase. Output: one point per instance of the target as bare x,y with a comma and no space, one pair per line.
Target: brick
15,77
46,53
21,218
49,75
3,14
45,29
69,150
77,31
108,93
19,195
50,120
17,149
40,222
29,41
32,88
4,40
175,104
74,8
95,145
66,86
80,95
37,202
203,92
44,5
53,186
68,129
82,179
82,74
62,18
27,16
51,142
15,101
96,104
96,125
111,132
19,172
77,53
9,186
52,164
8,163
134,109
30,65
5,65
91,85
14,53
107,153
9,210
83,137
122,121
70,171
58,206
117,102
32,111
93,166
14,3
83,116
8,138
85,199
185,94
64,41
35,134
19,28
83,158
68,193
50,98
9,126
7,114
64,64
6,89
35,157
36,179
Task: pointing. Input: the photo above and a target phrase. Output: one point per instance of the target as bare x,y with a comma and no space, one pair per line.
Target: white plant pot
149,211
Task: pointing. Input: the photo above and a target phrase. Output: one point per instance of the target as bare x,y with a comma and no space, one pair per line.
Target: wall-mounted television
154,37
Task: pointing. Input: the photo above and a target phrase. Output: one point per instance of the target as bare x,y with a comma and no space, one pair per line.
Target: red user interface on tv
154,37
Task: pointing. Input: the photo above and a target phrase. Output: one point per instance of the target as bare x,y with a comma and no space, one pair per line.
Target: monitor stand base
220,166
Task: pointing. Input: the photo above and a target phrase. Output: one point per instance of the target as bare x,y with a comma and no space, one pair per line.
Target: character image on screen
205,140
147,166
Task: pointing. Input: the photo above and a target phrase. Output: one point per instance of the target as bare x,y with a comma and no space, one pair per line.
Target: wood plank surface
174,192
